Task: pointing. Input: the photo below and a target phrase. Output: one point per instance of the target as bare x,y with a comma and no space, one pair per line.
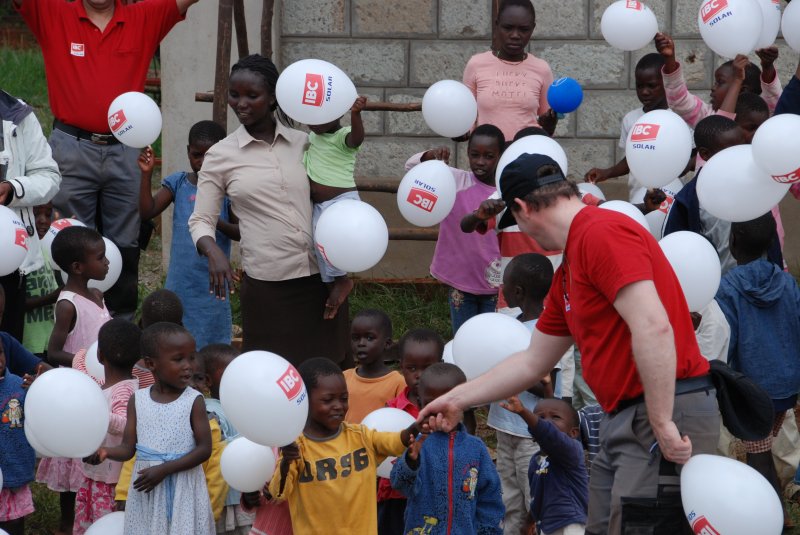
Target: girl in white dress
168,430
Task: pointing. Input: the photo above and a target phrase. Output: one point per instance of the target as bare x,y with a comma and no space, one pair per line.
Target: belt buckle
99,139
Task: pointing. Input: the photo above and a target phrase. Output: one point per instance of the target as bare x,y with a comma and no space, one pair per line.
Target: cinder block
413,18
316,17
594,64
566,126
684,18
385,157
373,120
406,123
431,61
660,7
465,19
696,61
601,113
560,19
583,154
377,63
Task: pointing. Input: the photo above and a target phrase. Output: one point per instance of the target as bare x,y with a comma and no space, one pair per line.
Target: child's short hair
216,356
162,305
531,131
525,4
70,245
444,375
754,238
379,316
751,103
206,132
119,341
420,336
312,369
490,130
152,335
708,131
575,419
533,272
752,77
649,61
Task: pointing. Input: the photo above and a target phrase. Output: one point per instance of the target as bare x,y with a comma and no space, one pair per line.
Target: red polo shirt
86,68
605,252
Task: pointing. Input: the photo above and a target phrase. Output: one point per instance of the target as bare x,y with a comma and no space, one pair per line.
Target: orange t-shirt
367,395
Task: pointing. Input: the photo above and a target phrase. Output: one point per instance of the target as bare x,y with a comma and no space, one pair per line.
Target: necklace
509,62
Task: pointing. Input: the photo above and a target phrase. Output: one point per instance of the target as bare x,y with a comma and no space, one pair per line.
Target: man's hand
439,153
6,192
673,446
441,414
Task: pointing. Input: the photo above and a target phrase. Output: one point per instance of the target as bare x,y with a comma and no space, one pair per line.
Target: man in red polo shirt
95,50
617,297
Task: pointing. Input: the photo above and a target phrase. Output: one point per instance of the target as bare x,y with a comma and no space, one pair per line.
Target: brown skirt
285,317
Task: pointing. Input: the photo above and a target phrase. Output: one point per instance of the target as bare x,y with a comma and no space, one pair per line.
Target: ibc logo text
20,238
701,526
711,8
422,198
116,120
312,90
634,4
788,178
290,383
645,132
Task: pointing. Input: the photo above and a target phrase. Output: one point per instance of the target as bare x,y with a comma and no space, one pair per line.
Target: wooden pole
224,28
241,28
266,28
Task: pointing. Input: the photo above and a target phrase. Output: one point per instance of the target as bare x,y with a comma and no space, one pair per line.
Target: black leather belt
79,133
682,386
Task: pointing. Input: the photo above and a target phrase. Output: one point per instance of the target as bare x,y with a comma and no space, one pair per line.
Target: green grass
22,75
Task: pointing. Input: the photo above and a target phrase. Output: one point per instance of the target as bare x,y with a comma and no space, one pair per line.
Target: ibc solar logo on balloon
701,525
21,236
290,384
313,89
711,9
422,198
642,133
789,178
634,4
117,120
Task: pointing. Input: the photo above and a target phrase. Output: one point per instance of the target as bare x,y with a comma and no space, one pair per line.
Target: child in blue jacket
450,481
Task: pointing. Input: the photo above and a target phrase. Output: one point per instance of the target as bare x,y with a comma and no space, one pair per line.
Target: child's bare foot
340,289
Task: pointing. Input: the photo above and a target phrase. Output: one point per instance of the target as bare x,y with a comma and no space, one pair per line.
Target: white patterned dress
166,428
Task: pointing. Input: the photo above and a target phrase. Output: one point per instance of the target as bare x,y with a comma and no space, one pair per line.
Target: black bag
746,408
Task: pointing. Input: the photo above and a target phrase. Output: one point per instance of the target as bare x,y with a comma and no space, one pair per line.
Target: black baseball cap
519,178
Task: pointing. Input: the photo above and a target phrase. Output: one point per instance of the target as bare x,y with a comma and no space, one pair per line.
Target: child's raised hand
359,105
439,153
596,175
739,63
513,404
415,446
290,452
767,56
147,160
665,45
149,478
489,208
97,457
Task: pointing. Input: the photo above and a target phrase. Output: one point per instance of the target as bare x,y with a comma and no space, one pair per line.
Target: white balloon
629,210
776,148
134,119
449,108
447,354
588,187
352,235
93,366
536,144
655,221
790,26
771,22
67,412
730,27
55,227
387,419
722,495
265,398
658,148
114,268
485,340
733,188
36,444
628,25
110,524
13,241
312,91
247,466
427,193
696,264
1,479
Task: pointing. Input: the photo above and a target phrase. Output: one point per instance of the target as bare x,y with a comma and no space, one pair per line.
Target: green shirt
39,322
329,161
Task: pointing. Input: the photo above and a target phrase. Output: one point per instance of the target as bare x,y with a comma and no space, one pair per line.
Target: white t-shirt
714,333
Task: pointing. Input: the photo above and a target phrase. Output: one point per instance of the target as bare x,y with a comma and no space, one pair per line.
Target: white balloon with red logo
391,420
93,366
535,144
776,148
730,27
427,193
110,524
628,25
55,227
655,221
628,209
485,340
696,264
114,268
790,25
658,148
591,189
722,495
733,188
449,108
314,92
352,235
247,466
771,22
13,241
134,119
265,398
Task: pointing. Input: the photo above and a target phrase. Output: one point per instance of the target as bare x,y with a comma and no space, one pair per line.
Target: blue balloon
565,95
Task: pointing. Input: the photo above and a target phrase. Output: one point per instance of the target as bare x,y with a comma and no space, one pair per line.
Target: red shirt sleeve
552,321
35,14
163,14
